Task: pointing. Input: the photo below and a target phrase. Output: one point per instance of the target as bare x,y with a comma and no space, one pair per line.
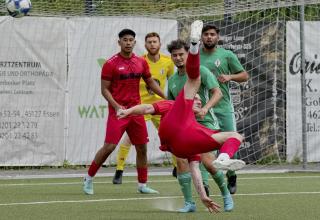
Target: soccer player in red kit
179,131
120,79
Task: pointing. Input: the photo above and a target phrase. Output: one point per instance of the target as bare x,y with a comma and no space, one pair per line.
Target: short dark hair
176,45
209,27
126,32
152,34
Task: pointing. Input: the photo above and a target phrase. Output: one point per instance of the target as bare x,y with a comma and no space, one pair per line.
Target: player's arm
237,72
105,90
197,181
238,77
211,83
142,109
215,98
154,87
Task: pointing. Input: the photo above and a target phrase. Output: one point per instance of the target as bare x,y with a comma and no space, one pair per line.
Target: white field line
11,176
154,181
149,198
73,175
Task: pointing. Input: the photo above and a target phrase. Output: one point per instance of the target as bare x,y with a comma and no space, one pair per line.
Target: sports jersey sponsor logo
121,68
162,71
130,76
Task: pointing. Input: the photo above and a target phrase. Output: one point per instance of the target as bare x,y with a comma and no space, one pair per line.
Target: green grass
260,196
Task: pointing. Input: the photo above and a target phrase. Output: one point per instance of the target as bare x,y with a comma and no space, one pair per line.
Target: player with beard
161,68
120,77
210,94
225,65
179,131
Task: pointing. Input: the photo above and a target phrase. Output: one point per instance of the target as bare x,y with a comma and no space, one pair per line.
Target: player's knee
238,136
182,165
141,149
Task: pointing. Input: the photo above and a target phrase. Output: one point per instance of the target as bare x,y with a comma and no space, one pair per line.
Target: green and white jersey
222,61
208,82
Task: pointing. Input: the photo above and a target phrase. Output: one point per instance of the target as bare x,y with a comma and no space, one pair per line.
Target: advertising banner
312,77
33,72
90,42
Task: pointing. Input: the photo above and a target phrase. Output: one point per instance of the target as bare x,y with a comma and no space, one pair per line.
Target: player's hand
211,205
122,113
202,112
224,78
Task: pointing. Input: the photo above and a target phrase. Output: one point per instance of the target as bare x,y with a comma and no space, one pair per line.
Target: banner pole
303,89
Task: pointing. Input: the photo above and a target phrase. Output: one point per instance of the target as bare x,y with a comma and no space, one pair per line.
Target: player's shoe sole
195,33
231,164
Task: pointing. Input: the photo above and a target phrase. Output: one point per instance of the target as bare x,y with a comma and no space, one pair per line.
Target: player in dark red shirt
182,135
120,79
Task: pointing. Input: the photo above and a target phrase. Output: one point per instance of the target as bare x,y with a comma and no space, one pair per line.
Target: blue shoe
228,203
147,190
88,186
188,207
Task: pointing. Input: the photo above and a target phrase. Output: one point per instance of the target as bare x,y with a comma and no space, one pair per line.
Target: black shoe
232,184
174,172
206,188
117,178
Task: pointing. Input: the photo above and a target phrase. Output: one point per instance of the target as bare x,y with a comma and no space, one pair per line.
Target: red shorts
181,134
135,126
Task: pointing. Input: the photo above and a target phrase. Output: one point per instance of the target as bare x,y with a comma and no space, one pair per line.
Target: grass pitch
260,196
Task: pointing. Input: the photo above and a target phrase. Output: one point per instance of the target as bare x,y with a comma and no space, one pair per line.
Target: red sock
230,146
193,66
93,169
142,174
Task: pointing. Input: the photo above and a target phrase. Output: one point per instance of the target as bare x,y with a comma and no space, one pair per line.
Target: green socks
219,179
184,180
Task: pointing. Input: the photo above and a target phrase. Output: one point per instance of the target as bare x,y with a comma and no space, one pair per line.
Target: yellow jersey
160,72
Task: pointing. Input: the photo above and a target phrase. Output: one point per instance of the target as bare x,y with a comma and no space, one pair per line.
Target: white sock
140,185
194,48
223,156
88,177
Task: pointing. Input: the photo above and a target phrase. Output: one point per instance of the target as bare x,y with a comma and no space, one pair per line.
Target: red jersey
125,74
179,130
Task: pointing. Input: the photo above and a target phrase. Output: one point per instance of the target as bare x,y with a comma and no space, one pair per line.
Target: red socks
93,169
230,146
193,65
142,174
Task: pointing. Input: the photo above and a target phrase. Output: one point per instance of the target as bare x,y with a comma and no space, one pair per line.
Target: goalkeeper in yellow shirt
161,68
